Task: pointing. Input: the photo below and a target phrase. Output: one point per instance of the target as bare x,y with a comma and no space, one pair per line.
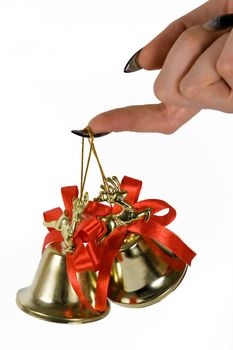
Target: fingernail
132,65
84,133
219,23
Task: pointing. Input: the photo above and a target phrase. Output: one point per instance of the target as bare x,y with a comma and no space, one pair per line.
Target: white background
61,63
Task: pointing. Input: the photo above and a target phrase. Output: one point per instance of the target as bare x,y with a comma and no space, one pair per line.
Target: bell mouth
51,296
140,277
74,314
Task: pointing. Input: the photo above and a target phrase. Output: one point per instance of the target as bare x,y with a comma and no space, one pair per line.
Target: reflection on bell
51,296
139,276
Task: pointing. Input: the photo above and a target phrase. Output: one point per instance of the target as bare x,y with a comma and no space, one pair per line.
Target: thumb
153,55
146,118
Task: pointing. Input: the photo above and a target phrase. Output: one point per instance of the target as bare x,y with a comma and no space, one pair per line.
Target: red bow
91,256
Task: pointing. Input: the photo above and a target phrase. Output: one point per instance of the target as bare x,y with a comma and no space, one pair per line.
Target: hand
196,73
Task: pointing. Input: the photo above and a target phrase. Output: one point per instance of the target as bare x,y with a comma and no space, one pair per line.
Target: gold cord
91,150
92,145
81,177
87,167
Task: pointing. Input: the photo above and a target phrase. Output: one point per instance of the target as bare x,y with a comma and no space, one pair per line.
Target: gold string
91,150
87,167
81,177
92,145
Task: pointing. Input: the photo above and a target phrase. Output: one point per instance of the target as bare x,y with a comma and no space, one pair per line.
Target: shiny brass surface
111,193
130,240
139,277
51,296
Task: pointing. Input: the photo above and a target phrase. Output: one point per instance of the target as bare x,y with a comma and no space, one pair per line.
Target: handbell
51,296
140,275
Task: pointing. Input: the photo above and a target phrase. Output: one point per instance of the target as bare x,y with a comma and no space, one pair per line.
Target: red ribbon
88,255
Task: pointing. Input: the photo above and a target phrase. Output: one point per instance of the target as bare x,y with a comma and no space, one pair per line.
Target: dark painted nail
132,65
84,133
220,23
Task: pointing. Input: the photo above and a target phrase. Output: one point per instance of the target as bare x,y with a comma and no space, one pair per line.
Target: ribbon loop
68,193
51,215
133,187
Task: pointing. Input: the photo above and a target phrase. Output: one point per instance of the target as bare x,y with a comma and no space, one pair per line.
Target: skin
204,80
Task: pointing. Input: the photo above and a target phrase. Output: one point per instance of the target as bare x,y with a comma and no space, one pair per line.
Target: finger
203,85
153,54
186,50
146,118
225,61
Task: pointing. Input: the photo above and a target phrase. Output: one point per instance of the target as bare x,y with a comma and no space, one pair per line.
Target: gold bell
51,296
139,276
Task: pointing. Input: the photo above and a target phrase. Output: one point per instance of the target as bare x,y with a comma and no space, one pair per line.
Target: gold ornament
64,225
111,193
